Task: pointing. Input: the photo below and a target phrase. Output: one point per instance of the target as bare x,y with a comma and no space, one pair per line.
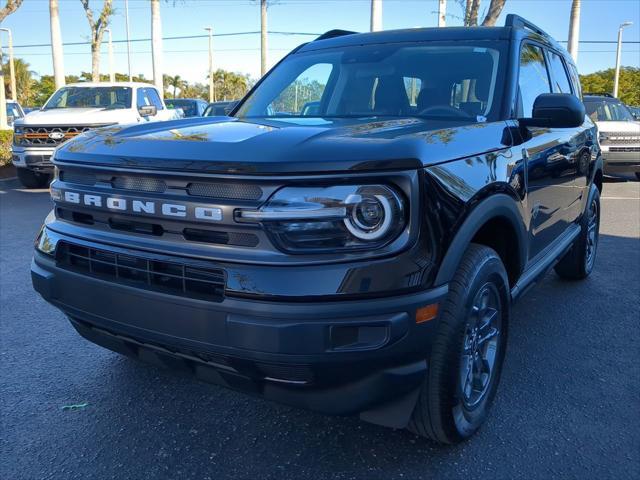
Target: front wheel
30,179
468,352
578,262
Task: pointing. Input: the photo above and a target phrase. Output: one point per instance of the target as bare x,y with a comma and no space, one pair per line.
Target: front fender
496,206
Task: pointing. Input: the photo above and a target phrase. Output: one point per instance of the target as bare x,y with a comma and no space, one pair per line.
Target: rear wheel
31,179
578,262
468,352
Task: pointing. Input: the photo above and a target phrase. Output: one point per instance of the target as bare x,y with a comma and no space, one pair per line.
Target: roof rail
517,21
334,33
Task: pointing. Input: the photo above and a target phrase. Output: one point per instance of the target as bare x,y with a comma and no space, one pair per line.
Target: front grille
35,136
140,184
147,273
619,138
226,191
624,149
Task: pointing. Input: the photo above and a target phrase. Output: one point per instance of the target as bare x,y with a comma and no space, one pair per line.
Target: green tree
602,82
24,81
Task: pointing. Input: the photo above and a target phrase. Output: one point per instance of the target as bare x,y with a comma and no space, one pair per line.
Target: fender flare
498,205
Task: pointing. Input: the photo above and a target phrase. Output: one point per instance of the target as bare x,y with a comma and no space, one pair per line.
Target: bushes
6,137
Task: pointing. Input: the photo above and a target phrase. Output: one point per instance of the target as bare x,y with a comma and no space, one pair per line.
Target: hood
283,146
609,127
78,116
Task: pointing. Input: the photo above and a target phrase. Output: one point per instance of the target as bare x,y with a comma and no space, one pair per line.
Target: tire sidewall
468,421
594,194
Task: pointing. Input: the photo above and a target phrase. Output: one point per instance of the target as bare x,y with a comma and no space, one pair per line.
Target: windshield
189,107
432,80
607,111
90,97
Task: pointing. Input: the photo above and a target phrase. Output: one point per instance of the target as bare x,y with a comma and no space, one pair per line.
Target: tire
30,179
450,409
578,262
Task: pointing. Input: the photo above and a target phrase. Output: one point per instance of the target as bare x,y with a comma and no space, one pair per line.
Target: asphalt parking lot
568,405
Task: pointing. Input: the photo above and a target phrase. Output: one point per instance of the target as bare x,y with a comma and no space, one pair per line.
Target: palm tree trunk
442,13
156,45
574,29
56,44
263,37
95,60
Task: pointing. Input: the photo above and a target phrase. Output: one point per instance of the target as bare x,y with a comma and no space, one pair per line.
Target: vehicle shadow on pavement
545,408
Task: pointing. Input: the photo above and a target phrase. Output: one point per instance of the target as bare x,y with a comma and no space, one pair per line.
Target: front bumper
335,357
620,160
33,158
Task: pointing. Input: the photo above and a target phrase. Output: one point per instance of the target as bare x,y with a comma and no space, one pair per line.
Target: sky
241,53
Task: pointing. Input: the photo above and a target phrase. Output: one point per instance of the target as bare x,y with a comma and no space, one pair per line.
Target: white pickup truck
74,109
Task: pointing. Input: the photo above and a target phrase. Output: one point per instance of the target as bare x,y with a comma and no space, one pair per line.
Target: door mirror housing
556,110
147,111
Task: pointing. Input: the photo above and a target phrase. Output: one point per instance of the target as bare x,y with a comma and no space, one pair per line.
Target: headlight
343,217
18,133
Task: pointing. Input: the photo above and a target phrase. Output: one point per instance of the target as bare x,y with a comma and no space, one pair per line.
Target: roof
411,35
110,84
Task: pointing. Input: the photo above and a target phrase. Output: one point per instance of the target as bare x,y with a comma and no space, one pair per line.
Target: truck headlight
341,217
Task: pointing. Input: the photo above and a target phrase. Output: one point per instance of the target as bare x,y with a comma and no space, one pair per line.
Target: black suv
361,259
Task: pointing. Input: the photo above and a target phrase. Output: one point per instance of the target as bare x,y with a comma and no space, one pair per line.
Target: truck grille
620,138
36,136
150,274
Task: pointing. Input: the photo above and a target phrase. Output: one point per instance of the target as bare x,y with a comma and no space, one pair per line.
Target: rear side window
561,82
533,79
575,79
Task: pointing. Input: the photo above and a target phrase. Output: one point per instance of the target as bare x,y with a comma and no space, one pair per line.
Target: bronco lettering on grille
131,205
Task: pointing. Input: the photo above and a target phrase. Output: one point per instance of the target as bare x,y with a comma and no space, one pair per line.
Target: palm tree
574,29
97,31
56,44
9,8
472,7
177,83
156,45
24,81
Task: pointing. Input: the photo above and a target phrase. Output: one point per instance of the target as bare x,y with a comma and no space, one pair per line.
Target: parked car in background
75,109
14,112
619,134
220,109
191,107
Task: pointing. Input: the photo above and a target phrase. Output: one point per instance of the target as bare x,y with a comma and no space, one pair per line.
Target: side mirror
556,110
147,111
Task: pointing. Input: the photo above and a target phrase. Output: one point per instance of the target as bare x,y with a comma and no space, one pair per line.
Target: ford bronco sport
359,260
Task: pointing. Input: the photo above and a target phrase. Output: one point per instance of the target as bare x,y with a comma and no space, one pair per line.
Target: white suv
619,134
75,109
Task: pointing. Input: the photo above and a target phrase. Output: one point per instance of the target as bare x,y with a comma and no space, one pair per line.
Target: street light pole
112,73
211,90
126,22
12,68
616,78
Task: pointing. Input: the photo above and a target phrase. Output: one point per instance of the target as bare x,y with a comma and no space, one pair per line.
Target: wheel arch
496,222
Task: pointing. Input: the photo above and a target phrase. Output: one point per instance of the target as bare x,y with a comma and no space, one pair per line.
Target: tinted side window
154,98
575,79
560,80
533,79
